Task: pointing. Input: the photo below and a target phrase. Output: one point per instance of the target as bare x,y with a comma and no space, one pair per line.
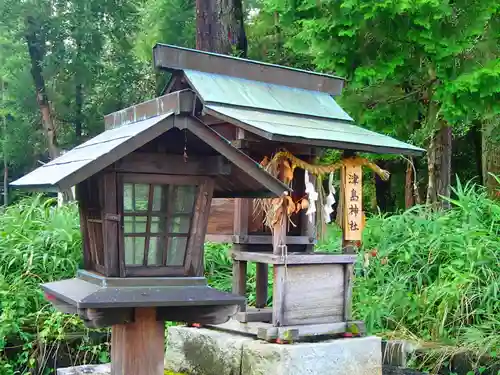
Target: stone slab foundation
199,351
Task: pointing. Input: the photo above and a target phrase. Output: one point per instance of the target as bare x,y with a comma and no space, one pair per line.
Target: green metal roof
288,114
321,132
216,88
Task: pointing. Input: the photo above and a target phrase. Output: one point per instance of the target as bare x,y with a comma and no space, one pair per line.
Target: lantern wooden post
138,348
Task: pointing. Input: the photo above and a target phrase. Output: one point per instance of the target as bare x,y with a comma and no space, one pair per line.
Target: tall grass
435,278
39,242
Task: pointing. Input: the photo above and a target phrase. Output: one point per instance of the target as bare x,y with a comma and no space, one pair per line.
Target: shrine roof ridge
174,58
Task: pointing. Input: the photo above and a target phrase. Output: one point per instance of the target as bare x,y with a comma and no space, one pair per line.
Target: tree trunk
36,51
220,28
78,112
409,183
439,166
476,138
383,191
78,93
491,156
35,42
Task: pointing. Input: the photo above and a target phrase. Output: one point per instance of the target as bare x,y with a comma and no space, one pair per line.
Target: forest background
423,71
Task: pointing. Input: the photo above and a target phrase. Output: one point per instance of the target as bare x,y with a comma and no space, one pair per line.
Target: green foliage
88,65
166,21
412,67
38,243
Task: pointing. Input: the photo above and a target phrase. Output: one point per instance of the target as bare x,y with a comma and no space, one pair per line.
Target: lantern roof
139,125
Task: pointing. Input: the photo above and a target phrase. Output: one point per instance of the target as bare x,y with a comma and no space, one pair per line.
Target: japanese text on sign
353,213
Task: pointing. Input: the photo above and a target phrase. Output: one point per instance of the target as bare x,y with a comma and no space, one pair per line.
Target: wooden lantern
144,190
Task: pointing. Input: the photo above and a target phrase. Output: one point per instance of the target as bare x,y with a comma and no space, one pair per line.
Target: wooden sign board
353,205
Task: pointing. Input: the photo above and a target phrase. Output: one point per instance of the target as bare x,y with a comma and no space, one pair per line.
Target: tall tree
35,40
72,62
402,60
220,27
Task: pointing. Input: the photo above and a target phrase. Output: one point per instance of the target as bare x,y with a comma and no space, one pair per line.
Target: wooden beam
264,145
262,281
253,239
173,164
293,258
238,158
174,58
239,277
177,102
255,315
256,239
82,198
266,331
279,295
348,247
219,238
194,256
111,224
297,332
139,347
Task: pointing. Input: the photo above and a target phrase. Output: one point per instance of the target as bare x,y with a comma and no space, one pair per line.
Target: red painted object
282,342
49,297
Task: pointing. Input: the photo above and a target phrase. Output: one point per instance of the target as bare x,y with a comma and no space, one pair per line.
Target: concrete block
200,351
210,352
86,370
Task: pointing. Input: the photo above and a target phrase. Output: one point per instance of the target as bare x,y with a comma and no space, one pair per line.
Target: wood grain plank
138,348
173,164
111,231
195,250
279,295
239,277
314,294
293,258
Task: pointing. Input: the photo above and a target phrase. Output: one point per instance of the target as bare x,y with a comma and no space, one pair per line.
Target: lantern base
103,302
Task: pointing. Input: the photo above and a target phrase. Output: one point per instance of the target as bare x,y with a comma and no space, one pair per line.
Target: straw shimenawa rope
324,169
276,209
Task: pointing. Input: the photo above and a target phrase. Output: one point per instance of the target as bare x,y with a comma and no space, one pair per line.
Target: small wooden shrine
284,119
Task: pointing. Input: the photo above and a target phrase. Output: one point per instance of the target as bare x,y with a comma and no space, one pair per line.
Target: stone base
200,351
